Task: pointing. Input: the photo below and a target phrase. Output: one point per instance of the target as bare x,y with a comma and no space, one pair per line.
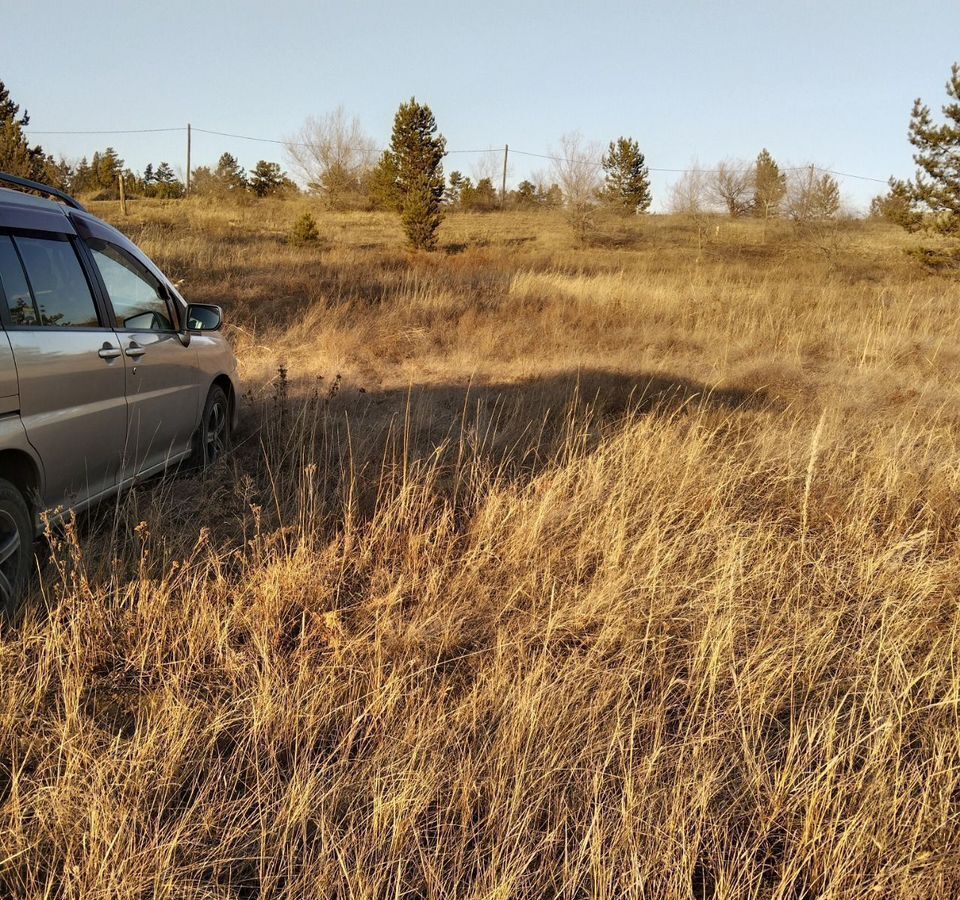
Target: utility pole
123,195
503,185
187,191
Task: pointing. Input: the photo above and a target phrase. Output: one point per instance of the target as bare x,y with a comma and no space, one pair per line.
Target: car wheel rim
10,547
216,431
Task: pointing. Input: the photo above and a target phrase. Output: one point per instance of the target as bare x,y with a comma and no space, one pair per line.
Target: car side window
13,285
61,294
135,293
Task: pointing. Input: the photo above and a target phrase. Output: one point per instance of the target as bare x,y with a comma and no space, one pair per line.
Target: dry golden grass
538,571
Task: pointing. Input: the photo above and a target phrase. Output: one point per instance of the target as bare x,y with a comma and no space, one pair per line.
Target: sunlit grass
538,571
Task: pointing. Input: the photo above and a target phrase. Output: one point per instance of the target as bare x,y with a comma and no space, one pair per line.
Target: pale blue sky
830,82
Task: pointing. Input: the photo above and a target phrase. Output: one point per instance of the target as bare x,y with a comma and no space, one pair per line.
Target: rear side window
134,292
14,287
60,291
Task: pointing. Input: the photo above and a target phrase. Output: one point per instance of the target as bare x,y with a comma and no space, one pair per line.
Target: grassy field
626,570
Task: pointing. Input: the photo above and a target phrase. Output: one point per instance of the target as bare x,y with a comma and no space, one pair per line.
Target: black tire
212,440
16,548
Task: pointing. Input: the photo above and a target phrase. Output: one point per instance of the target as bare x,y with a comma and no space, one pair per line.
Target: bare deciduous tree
690,197
799,197
488,165
690,194
813,204
332,154
731,186
576,169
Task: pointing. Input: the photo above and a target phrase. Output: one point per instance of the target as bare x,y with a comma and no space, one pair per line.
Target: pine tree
230,173
550,197
525,196
266,178
825,199
770,186
626,177
935,189
382,184
465,192
17,156
166,185
812,197
416,154
9,109
82,180
304,231
58,173
203,183
481,197
454,187
896,206
107,167
148,175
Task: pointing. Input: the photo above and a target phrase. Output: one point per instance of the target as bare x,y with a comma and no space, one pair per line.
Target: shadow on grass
311,456
358,439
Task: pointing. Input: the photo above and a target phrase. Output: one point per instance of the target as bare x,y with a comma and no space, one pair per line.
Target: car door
69,366
162,375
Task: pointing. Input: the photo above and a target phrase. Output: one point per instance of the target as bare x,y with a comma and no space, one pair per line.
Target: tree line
100,176
335,160
761,189
338,162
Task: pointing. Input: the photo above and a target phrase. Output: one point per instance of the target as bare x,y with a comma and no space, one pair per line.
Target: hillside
538,570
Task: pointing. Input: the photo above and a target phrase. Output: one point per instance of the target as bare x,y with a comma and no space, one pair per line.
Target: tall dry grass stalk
583,594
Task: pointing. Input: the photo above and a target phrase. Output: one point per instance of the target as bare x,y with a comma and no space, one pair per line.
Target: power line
245,137
848,175
122,131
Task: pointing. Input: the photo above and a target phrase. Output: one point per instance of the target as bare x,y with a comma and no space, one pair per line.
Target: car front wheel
213,436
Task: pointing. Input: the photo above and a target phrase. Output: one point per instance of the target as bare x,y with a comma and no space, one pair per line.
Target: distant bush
935,259
479,197
304,232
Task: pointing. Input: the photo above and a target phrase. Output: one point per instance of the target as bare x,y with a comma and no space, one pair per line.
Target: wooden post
187,190
123,196
503,186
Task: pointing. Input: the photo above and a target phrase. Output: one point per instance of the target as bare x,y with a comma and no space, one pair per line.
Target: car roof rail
27,184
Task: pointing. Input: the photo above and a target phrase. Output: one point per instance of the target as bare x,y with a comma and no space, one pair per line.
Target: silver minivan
107,375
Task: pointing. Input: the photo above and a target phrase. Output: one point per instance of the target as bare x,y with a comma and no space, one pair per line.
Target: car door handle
108,351
135,350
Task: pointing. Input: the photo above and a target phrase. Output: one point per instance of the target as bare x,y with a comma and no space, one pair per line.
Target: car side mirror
204,317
